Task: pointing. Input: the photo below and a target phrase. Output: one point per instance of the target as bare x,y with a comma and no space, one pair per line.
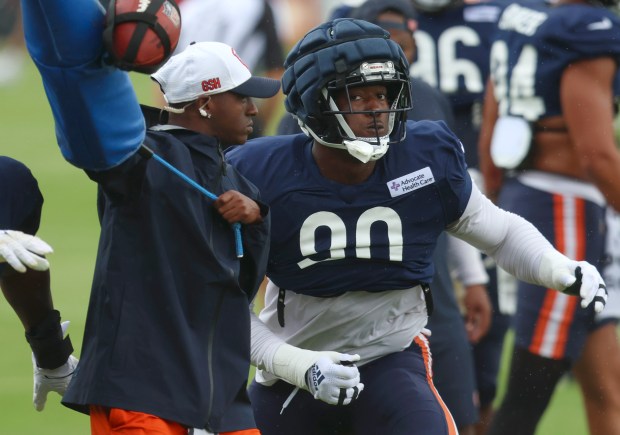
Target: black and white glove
331,377
23,251
575,278
335,381
57,380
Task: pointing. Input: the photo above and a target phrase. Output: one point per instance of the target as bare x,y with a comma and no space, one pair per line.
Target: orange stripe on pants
422,343
566,231
541,323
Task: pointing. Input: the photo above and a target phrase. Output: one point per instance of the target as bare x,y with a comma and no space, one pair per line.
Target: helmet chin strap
361,147
364,152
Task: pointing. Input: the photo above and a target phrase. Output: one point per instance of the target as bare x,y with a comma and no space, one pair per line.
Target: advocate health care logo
410,182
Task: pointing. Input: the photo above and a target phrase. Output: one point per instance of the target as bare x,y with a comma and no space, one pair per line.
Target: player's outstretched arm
520,249
28,293
98,120
329,376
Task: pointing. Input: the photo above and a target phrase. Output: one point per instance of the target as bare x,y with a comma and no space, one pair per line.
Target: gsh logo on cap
211,84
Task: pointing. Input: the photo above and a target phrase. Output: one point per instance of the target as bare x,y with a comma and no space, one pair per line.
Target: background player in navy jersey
357,208
25,280
454,40
548,123
453,365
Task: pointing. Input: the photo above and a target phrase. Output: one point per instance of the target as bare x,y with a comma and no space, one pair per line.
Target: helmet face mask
334,58
368,74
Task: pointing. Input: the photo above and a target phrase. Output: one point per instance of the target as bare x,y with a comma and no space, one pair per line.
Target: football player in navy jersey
548,143
357,207
454,39
453,361
25,280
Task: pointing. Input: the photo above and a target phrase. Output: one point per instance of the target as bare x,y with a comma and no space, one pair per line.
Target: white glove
324,374
575,278
46,380
335,379
22,250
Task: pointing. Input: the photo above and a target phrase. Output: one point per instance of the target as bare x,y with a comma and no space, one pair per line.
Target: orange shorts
115,421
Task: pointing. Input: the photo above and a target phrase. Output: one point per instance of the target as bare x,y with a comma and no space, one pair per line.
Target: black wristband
48,346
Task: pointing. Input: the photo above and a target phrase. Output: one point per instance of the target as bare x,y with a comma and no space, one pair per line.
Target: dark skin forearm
29,294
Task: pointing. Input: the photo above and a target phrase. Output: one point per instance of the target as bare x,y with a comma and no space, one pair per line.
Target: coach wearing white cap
167,339
209,89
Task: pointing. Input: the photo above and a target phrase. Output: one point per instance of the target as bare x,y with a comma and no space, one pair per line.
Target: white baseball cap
209,68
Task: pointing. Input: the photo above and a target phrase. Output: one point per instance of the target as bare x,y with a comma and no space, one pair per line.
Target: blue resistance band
236,226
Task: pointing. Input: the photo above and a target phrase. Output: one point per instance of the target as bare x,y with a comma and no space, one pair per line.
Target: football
140,35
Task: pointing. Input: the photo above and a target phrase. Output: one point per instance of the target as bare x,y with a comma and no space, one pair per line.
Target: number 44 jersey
329,238
533,46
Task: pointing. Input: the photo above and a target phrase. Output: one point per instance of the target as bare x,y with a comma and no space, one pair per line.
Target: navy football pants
398,399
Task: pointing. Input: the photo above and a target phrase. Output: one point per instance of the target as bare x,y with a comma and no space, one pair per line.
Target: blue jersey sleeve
98,119
458,179
434,143
587,32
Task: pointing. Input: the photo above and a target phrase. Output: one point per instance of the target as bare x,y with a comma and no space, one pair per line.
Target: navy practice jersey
453,56
20,198
535,44
329,238
453,49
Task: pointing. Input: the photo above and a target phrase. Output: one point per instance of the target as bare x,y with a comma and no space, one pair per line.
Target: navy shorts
549,323
398,399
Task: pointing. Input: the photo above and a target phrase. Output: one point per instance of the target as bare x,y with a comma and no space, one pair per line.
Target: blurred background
70,225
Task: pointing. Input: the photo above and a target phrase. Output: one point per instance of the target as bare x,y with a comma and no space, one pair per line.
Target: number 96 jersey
329,238
453,49
453,57
533,46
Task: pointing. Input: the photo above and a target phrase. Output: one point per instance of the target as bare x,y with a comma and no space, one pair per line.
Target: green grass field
70,225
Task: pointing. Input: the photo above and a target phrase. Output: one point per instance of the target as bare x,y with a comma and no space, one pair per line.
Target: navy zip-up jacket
168,327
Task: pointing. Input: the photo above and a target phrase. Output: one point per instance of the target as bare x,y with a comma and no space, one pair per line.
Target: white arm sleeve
517,246
287,362
465,263
264,344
